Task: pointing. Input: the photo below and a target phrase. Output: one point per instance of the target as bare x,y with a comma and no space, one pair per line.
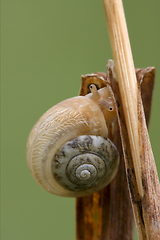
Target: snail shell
68,152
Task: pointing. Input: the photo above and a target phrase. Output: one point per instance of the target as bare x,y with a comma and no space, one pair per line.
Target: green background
46,47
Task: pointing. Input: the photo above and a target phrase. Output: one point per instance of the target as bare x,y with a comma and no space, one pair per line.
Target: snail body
68,152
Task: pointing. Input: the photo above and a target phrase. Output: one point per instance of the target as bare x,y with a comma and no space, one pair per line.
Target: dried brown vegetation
108,214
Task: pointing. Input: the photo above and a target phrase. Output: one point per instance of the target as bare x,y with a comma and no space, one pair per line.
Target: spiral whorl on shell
92,164
68,152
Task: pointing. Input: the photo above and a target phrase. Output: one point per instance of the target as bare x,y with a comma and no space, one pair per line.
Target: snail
68,152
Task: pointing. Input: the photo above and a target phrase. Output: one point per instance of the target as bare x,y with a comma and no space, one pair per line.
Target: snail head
103,99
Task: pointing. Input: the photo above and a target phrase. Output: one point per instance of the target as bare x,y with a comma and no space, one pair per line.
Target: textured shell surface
63,122
85,165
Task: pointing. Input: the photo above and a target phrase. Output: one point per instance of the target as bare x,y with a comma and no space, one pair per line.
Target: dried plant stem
99,215
125,71
139,161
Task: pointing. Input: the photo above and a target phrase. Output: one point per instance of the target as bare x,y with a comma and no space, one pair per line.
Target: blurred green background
46,47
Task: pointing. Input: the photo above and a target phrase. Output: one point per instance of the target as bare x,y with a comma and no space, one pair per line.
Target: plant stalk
125,71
